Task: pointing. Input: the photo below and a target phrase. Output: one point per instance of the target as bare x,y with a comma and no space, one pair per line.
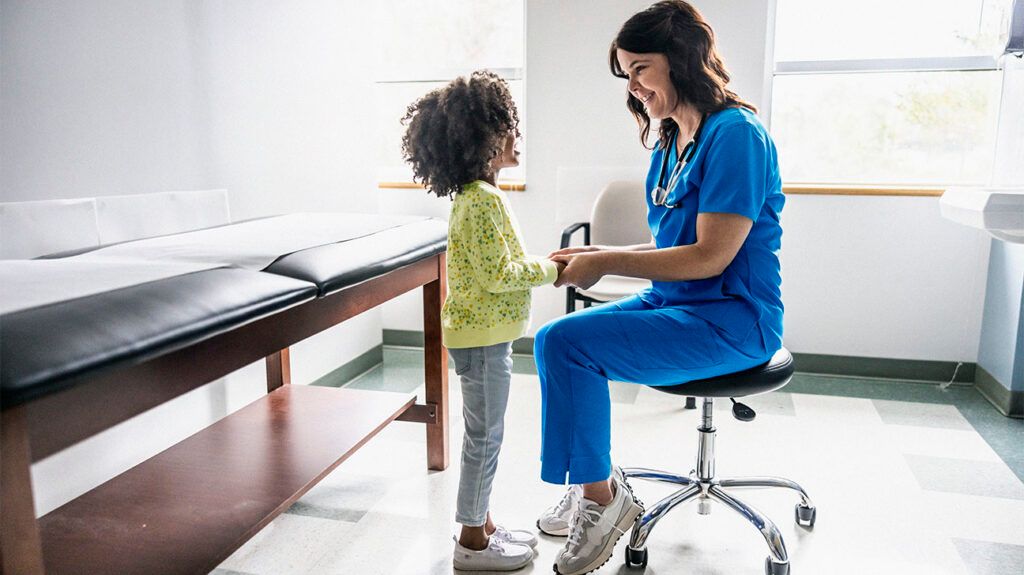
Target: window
882,92
427,43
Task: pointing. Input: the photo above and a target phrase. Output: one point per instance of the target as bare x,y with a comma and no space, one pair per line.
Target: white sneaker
555,520
497,556
594,531
517,536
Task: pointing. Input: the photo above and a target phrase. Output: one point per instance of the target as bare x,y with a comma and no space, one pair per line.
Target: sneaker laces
492,543
582,520
565,505
496,544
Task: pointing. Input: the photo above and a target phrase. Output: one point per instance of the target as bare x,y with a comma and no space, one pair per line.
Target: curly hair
454,132
677,30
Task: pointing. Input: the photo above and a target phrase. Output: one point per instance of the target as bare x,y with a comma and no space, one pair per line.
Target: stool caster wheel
636,557
691,403
806,516
773,568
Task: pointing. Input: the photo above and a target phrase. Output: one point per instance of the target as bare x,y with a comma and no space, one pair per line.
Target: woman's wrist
608,261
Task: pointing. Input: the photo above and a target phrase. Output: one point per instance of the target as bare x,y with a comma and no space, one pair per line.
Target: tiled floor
908,479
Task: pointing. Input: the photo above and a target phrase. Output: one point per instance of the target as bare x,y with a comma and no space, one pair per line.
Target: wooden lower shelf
188,508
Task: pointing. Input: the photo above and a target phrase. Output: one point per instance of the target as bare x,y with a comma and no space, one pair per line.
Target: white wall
878,277
290,118
291,104
576,115
261,97
266,99
875,277
101,98
881,277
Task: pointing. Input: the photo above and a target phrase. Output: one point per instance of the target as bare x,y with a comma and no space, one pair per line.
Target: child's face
509,157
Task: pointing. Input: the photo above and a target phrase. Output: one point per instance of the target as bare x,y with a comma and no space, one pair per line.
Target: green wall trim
411,338
1009,403
523,345
886,368
403,338
846,366
349,370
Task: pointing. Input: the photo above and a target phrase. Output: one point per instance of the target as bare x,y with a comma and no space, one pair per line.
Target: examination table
88,340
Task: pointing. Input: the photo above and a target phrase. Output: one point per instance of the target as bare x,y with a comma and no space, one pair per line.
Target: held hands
582,267
560,266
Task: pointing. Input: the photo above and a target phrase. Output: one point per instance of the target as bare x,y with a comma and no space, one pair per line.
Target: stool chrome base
701,484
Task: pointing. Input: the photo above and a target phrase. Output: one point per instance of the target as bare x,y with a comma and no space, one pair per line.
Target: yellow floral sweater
489,274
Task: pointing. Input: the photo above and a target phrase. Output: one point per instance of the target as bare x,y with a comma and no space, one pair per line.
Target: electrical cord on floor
946,384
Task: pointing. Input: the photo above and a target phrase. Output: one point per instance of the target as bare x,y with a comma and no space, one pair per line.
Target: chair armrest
569,231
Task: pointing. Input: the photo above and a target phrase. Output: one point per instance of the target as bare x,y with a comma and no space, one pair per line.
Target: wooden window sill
508,186
789,189
860,190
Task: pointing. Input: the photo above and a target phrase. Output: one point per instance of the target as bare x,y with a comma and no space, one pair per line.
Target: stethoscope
659,195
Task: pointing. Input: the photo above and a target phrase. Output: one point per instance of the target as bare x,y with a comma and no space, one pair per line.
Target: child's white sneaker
517,536
499,555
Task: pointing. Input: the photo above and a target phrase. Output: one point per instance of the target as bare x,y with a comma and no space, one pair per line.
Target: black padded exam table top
336,266
42,348
254,269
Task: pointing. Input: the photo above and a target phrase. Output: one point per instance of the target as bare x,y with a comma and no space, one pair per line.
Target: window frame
442,74
971,63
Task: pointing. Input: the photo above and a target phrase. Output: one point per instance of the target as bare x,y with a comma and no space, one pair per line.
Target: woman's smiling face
649,81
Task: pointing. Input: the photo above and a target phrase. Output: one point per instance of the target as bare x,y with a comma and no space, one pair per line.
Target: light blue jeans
486,373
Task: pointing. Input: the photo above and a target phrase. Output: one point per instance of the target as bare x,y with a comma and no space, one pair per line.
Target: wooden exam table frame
179,511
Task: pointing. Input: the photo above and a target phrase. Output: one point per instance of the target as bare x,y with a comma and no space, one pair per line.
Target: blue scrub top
734,169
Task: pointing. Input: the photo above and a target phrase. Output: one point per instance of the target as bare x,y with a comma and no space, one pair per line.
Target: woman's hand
582,269
575,250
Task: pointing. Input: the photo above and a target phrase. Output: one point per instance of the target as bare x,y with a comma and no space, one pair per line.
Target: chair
702,484
618,218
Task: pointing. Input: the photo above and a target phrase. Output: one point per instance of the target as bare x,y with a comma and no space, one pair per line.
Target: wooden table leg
279,369
20,547
435,359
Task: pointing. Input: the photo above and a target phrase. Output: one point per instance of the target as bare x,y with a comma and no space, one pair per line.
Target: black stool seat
761,379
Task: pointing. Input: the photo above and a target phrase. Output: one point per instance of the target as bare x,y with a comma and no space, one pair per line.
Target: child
458,138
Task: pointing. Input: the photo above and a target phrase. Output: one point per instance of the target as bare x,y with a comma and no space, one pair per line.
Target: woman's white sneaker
595,530
555,520
497,556
517,536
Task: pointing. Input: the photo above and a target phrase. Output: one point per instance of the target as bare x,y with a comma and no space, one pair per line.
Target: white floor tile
873,515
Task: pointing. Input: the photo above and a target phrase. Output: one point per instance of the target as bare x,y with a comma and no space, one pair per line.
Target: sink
998,211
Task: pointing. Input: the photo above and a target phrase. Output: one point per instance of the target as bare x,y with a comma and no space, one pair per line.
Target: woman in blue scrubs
713,196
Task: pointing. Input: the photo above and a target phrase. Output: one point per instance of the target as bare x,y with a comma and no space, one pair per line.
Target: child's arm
491,256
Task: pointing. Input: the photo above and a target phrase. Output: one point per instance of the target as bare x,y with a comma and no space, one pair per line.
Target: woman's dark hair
454,132
677,30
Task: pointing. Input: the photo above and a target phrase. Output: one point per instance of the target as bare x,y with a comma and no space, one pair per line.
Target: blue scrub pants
627,340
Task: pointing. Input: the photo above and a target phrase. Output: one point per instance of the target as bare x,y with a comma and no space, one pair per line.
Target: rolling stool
702,484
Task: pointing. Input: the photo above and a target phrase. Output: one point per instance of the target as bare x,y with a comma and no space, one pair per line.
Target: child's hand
581,270
561,267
